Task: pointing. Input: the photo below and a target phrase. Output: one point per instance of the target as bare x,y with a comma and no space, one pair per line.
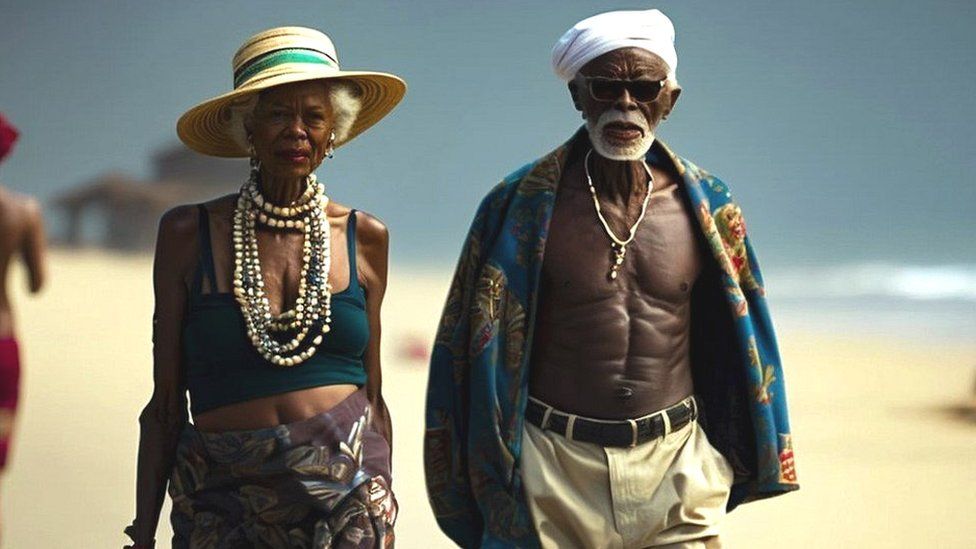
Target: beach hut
120,212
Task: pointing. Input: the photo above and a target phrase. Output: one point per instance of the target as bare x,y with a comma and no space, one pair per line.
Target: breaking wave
888,280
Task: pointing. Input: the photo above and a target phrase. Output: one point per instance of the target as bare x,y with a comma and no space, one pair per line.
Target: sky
843,128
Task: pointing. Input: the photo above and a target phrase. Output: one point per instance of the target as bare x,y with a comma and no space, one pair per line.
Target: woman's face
291,127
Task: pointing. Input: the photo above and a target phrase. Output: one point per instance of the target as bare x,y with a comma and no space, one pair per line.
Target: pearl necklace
618,246
312,312
285,217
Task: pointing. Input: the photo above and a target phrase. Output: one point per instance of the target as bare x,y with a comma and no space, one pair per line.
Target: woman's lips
293,156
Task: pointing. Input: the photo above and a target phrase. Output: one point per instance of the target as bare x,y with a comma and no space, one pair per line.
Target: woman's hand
134,535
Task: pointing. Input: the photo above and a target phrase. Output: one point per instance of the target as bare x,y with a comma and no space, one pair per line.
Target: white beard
635,151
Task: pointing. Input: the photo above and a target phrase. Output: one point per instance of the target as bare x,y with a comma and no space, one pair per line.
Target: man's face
623,128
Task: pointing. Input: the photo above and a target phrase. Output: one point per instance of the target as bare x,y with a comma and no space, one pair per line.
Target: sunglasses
610,89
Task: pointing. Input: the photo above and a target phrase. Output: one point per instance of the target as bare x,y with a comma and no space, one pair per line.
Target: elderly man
21,234
607,313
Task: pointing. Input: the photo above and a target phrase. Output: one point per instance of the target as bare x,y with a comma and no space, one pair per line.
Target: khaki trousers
669,492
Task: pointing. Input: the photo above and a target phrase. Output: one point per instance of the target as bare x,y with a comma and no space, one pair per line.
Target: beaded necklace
290,338
618,245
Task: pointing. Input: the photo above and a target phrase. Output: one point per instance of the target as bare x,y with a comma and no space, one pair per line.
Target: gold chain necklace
618,245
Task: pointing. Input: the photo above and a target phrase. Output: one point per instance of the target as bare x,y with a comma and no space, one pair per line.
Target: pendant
619,252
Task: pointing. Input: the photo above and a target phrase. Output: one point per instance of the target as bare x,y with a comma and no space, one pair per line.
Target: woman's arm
164,418
373,249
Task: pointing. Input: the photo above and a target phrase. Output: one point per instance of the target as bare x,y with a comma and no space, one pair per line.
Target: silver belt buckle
633,432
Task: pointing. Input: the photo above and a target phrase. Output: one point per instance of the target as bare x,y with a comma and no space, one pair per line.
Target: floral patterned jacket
478,385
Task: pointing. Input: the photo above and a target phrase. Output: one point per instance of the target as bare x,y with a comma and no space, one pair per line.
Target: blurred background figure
21,234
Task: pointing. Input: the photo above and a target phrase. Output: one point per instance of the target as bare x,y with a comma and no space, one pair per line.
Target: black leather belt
625,433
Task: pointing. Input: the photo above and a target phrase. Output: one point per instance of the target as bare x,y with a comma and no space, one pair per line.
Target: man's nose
625,102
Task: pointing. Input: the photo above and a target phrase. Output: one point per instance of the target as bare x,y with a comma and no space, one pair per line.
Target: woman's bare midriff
273,410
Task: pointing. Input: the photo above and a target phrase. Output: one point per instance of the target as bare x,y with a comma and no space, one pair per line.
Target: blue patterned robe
478,384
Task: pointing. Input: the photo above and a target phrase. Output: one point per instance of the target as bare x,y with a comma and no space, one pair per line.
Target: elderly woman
268,315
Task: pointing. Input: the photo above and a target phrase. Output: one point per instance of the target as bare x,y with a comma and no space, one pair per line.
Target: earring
255,163
331,145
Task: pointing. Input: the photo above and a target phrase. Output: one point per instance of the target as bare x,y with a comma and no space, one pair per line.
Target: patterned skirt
320,482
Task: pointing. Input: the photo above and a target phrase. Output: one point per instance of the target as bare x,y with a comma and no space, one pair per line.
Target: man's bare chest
661,263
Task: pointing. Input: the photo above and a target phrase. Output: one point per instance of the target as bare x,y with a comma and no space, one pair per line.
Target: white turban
594,36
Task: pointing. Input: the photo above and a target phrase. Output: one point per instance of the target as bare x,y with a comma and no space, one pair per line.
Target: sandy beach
881,460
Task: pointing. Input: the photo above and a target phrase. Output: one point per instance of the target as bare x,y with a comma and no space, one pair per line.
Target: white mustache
620,116
633,151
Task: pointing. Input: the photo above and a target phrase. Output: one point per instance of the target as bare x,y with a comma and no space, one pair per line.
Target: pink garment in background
9,391
8,135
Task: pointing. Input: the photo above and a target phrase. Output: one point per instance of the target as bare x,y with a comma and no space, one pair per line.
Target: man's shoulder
504,188
716,188
541,173
510,182
685,166
711,183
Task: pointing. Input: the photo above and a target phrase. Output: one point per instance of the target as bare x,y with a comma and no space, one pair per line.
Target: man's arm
446,430
775,465
449,487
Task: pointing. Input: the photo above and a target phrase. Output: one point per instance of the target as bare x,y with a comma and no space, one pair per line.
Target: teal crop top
222,366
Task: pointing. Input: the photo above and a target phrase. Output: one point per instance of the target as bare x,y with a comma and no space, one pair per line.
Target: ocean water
935,303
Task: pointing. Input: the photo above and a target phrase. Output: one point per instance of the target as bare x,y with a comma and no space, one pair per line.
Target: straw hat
279,56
